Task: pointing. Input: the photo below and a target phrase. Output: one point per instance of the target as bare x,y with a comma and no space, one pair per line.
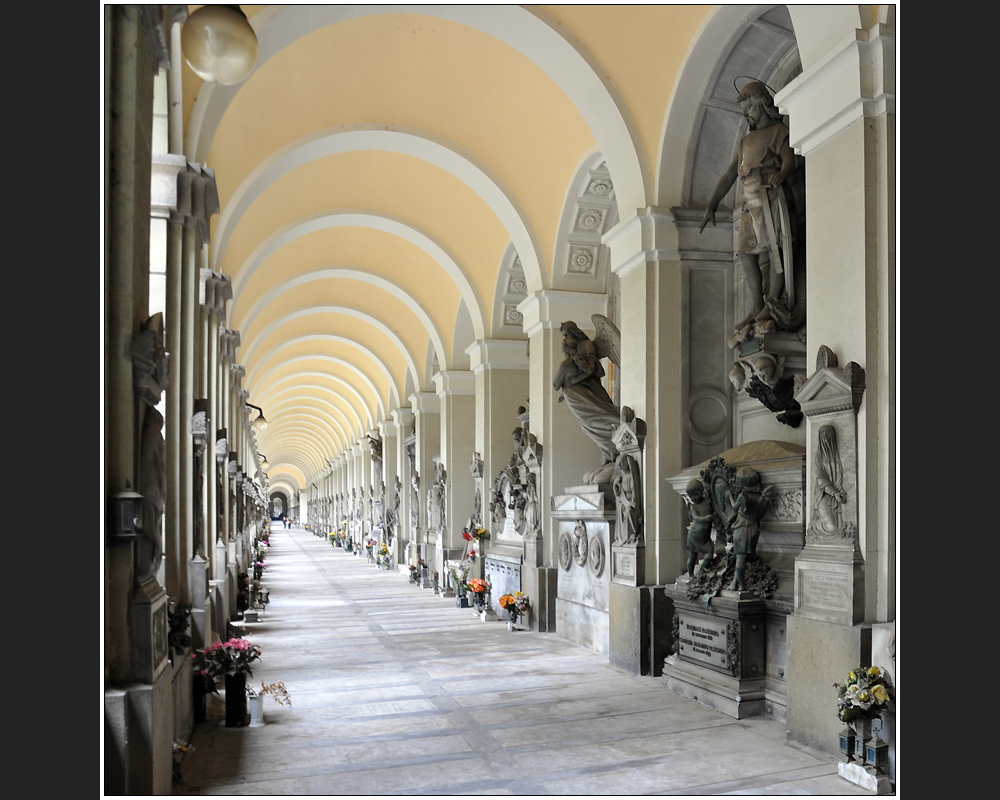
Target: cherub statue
699,538
764,161
579,379
749,501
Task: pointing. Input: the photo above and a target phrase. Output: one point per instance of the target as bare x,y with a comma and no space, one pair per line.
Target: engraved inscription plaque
825,590
704,641
624,565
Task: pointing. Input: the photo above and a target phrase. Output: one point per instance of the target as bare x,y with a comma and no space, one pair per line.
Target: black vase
200,699
236,700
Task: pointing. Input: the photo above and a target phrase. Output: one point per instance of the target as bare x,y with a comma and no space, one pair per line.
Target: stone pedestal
201,603
721,654
584,526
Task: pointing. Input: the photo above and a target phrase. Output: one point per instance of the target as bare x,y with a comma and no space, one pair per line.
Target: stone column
551,421
500,367
841,113
390,473
456,391
426,415
363,454
402,420
655,373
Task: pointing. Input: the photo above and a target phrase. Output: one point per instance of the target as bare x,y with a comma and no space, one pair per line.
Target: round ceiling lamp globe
219,44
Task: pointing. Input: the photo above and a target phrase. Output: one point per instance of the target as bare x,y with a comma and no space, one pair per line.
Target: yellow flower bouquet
864,694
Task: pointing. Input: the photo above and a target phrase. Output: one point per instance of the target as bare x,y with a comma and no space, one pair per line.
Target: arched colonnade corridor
394,690
594,286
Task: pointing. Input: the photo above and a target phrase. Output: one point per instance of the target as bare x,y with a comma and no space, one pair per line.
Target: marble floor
396,691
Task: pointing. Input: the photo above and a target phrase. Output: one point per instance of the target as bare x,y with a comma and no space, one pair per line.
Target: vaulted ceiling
377,166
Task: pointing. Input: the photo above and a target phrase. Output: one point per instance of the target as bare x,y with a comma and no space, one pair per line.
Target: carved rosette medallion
565,551
590,219
581,260
600,187
596,555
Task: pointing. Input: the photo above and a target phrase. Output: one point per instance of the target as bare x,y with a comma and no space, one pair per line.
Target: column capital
855,79
454,381
425,402
648,235
549,308
402,417
163,185
498,354
387,428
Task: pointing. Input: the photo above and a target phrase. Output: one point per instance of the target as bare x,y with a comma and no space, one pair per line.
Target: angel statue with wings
579,378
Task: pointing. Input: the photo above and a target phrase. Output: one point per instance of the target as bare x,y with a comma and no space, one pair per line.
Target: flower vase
256,704
236,700
200,697
512,624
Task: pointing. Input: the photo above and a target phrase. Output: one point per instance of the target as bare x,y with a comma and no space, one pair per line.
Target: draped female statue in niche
830,495
579,378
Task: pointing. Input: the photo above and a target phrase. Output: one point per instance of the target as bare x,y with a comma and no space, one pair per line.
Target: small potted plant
255,698
231,659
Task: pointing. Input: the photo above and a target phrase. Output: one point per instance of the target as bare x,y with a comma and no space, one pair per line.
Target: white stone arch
247,347
465,335
529,31
360,401
511,290
702,123
579,259
352,273
360,218
309,409
282,483
327,337
294,381
323,424
305,443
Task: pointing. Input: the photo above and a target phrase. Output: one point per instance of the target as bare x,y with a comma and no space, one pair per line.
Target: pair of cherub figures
747,503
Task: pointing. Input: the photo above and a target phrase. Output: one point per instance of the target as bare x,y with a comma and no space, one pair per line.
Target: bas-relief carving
580,543
627,486
831,398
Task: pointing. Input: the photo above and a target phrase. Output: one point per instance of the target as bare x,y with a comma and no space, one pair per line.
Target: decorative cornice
856,79
649,235
549,308
498,354
425,402
454,382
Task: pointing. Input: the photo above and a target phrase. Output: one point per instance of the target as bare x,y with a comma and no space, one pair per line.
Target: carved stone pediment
831,388
584,498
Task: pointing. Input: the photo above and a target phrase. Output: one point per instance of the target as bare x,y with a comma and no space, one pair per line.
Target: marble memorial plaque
624,565
824,590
